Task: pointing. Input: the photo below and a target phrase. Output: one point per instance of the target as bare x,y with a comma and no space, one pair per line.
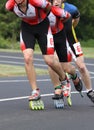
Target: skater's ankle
36,89
65,78
88,90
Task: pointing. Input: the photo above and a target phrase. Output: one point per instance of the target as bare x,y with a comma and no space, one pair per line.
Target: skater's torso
56,23
56,18
32,14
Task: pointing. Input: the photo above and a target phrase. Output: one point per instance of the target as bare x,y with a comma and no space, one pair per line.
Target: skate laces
35,94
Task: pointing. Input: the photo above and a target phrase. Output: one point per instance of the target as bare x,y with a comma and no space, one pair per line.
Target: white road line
89,64
37,59
25,97
25,80
19,63
11,81
41,65
11,62
91,72
13,57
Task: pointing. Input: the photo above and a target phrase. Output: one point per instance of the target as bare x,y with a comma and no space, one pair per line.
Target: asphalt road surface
14,110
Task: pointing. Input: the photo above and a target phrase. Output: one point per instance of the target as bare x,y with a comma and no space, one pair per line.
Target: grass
11,70
88,52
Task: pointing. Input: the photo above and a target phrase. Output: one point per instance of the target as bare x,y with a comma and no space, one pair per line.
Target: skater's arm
76,18
10,5
42,4
64,15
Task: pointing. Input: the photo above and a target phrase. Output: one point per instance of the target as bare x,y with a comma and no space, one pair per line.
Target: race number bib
77,48
50,43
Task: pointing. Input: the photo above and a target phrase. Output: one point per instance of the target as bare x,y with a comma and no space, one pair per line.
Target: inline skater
56,17
35,25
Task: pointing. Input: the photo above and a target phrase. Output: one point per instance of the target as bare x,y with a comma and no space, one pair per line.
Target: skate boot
90,94
66,90
78,85
35,102
58,99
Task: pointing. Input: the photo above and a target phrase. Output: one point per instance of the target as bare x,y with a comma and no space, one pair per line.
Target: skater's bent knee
49,62
28,59
82,68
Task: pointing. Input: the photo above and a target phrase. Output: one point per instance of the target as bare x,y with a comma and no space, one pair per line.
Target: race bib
77,48
50,43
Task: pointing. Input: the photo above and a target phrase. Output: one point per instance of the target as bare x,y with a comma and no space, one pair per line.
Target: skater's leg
29,67
55,66
53,75
84,72
56,81
70,69
35,102
64,89
85,76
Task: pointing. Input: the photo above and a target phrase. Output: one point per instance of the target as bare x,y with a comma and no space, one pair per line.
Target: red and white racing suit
56,17
62,30
35,25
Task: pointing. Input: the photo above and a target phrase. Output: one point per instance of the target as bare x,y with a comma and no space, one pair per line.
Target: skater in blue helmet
73,10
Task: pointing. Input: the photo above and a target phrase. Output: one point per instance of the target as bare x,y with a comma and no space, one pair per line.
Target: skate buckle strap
58,87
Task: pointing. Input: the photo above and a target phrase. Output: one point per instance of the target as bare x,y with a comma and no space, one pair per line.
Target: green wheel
41,104
36,105
69,101
31,105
